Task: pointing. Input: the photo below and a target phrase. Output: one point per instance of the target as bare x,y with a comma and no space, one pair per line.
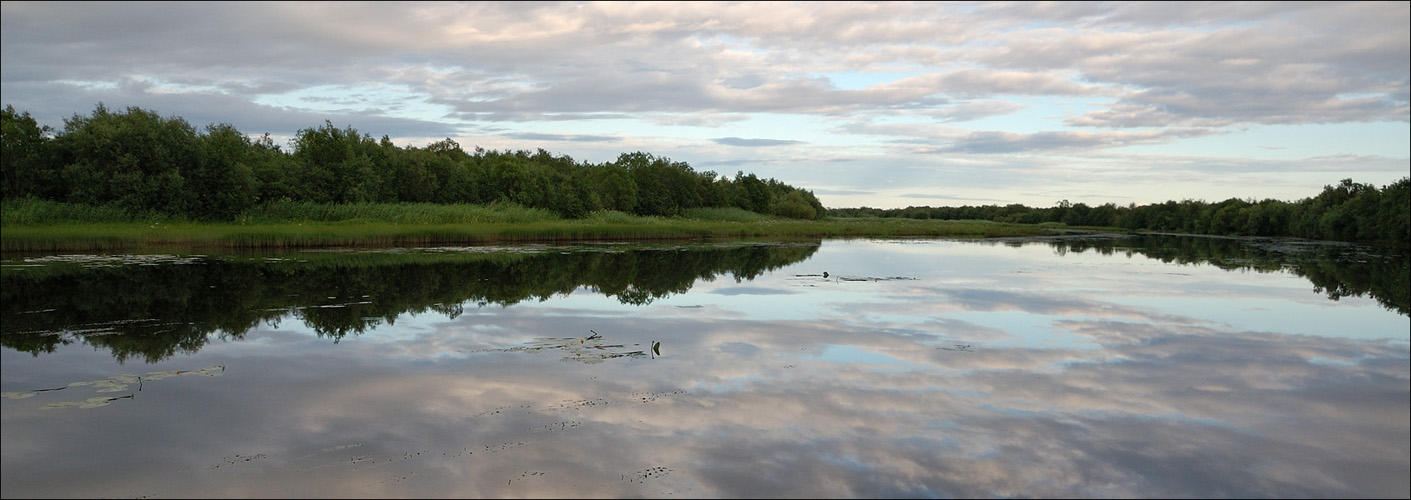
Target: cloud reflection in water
840,389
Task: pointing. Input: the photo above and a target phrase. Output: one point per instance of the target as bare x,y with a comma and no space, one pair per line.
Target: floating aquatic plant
87,403
588,350
115,383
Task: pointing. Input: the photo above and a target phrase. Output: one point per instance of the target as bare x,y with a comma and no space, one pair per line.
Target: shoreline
130,236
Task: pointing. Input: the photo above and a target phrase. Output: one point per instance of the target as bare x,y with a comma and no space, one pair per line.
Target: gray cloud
1004,142
206,108
484,54
1057,85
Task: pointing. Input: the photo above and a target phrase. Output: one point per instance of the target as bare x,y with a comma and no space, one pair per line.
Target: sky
866,104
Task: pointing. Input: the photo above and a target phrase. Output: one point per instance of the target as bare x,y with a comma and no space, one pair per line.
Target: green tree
1338,214
224,184
794,205
446,162
1104,215
134,159
611,187
341,166
274,171
26,159
756,193
418,180
1393,221
664,187
1266,218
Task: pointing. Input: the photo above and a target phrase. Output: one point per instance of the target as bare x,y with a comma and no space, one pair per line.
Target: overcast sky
884,105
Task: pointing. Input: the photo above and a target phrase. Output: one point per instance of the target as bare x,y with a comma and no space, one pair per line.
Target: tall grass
406,213
30,225
725,215
30,211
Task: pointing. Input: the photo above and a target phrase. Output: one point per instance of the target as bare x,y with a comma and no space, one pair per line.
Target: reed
35,226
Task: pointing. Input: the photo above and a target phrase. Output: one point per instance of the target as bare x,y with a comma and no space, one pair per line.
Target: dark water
1148,367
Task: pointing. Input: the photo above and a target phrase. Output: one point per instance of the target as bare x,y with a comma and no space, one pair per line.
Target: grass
27,225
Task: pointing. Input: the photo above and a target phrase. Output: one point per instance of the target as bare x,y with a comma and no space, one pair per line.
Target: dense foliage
1348,211
141,162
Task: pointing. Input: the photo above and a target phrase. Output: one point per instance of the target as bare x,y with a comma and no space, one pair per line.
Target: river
1087,366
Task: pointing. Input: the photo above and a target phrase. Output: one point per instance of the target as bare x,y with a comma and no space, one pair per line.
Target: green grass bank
39,226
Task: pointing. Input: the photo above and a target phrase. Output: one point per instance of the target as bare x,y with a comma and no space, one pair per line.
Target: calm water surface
1087,367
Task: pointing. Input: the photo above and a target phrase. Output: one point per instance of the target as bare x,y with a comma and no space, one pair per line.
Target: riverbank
324,231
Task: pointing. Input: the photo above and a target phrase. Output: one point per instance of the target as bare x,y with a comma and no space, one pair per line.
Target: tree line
139,161
1347,211
142,162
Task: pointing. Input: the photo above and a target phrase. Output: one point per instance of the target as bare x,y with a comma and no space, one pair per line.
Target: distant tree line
140,161
1347,211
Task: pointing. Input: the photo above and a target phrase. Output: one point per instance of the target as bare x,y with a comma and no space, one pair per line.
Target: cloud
565,137
943,198
1115,372
753,143
749,290
1059,85
972,110
1005,142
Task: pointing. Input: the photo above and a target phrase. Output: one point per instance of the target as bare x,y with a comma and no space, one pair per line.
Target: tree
610,188
664,187
756,193
274,171
224,184
418,180
340,166
794,205
1076,214
132,159
26,162
1393,221
1336,214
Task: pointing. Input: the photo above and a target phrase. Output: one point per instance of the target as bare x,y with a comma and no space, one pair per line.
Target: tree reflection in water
152,307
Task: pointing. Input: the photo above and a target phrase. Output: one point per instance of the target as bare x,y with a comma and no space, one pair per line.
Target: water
1081,367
